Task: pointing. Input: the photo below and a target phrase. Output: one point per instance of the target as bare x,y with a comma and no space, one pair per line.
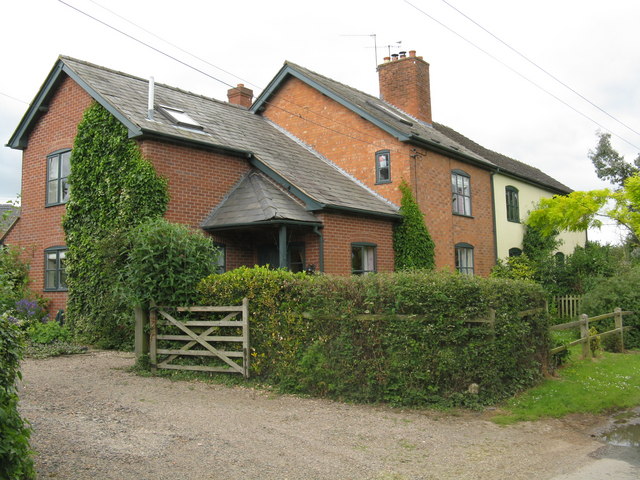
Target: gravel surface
94,420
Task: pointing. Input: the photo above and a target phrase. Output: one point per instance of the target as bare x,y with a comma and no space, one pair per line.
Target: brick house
304,177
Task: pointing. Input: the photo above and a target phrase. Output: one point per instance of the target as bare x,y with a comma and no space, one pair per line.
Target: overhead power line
546,72
524,77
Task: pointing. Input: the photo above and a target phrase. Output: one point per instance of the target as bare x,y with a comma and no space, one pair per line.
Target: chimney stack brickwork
240,95
404,82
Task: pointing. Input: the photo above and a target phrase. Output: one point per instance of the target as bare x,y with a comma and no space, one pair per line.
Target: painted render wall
510,234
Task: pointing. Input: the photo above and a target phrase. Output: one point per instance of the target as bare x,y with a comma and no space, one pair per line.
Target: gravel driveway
94,420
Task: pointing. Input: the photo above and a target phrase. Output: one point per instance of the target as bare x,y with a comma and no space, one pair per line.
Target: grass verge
607,383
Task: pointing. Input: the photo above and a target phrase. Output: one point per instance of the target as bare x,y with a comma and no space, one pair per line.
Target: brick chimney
240,95
404,82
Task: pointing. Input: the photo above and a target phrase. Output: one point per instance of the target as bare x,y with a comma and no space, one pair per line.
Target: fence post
618,325
584,336
246,361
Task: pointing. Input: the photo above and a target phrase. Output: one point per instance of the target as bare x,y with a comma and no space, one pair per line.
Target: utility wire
212,77
146,44
13,98
521,75
540,68
177,47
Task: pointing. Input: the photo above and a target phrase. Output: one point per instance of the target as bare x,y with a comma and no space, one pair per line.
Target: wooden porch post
282,247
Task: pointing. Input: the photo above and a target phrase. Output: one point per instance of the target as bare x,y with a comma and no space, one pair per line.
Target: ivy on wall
113,189
412,243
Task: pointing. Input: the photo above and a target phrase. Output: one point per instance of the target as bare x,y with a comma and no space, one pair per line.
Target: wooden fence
568,306
201,333
585,335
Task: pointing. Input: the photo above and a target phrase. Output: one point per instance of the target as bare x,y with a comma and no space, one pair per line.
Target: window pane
64,185
52,191
54,171
52,261
65,168
50,279
357,260
369,259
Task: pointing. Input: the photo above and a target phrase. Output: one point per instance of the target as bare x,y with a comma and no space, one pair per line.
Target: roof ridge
144,80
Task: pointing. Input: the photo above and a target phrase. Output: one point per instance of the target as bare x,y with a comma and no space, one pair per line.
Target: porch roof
256,200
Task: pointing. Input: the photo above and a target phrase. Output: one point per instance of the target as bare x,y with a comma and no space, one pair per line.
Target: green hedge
359,341
15,452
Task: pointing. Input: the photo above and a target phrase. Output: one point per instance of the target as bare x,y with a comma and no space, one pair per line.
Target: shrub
165,262
412,243
15,452
402,338
618,291
13,278
48,332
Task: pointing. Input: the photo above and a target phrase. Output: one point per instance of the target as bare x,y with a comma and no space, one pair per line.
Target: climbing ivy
113,189
412,242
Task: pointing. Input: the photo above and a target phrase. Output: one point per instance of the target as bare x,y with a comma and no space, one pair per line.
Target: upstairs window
461,191
363,258
58,168
55,277
383,166
515,252
513,206
464,258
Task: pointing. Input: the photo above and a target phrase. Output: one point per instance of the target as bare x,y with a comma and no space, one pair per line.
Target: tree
412,243
609,164
580,210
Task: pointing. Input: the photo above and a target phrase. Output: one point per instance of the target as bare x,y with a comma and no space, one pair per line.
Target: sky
479,85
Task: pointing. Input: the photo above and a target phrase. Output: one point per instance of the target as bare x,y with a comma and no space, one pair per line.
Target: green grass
607,383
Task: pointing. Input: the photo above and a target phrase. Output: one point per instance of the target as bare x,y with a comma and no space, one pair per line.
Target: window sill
513,221
383,182
56,290
47,205
462,215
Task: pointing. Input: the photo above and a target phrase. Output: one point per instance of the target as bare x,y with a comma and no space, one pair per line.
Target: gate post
141,342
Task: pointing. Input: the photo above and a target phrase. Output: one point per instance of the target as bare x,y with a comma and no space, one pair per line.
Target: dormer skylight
180,117
390,112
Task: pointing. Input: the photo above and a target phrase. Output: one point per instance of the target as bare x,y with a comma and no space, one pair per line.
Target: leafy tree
609,164
412,243
580,210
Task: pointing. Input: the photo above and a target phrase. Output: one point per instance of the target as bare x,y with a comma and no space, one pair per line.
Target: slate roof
407,128
383,114
224,126
506,164
256,200
8,216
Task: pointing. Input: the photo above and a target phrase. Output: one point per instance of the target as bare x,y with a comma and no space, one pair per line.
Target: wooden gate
205,335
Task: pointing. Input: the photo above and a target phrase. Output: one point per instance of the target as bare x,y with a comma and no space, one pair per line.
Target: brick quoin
330,129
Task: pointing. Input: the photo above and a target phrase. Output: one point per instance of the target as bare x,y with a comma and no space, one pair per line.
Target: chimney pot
403,54
387,59
412,53
394,56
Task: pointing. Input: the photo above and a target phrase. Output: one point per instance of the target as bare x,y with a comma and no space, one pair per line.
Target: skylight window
180,117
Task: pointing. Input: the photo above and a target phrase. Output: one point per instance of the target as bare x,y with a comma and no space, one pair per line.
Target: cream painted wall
509,234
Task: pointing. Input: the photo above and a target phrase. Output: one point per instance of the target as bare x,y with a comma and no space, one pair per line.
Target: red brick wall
40,227
198,179
351,142
340,231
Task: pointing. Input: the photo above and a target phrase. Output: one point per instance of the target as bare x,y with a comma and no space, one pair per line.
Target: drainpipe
317,231
282,246
495,224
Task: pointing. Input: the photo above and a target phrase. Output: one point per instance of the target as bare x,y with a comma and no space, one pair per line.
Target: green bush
13,278
48,332
619,291
401,338
412,243
165,262
15,453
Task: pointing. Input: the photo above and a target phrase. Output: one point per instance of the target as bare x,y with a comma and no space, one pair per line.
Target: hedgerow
15,453
402,338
